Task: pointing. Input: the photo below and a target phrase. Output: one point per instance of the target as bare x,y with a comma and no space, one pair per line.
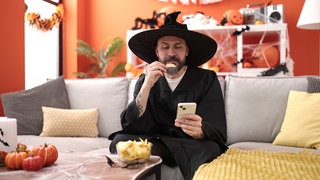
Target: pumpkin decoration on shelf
231,18
14,159
264,56
48,152
32,163
222,64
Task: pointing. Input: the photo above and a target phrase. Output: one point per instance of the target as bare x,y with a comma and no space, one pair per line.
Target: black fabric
313,84
197,85
201,47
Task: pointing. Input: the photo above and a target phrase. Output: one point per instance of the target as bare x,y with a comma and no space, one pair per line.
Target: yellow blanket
259,164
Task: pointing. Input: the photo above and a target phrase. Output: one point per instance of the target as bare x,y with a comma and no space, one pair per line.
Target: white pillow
109,95
255,106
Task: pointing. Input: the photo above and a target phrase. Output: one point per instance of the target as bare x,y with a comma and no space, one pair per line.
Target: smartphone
186,108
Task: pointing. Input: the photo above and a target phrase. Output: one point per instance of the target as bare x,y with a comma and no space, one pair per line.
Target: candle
8,134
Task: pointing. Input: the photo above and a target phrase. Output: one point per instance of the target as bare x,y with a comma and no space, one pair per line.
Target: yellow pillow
70,122
301,125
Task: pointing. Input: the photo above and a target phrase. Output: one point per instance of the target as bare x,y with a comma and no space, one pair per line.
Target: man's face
172,50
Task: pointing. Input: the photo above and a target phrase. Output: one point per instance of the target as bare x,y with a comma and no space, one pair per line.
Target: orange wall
102,19
12,47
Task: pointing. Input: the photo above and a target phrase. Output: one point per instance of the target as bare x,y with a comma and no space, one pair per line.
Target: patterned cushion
313,84
26,105
70,122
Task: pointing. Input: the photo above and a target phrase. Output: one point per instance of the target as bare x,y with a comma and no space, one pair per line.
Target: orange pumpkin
265,56
232,17
32,163
14,159
48,152
3,155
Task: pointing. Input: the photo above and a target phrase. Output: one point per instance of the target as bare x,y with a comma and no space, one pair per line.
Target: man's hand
153,72
191,124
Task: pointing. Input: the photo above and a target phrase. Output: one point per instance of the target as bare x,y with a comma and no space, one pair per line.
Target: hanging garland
46,24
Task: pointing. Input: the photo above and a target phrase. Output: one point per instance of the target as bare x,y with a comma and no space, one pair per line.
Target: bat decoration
275,70
236,33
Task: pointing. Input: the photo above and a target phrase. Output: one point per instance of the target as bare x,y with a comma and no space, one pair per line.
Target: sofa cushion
301,125
313,84
26,105
109,95
67,144
70,122
255,106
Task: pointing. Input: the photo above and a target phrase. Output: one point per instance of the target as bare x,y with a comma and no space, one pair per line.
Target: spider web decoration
226,55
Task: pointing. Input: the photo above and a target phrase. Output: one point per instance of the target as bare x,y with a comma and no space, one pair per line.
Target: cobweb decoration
225,60
226,55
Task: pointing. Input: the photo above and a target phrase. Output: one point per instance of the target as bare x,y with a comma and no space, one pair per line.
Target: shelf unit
234,47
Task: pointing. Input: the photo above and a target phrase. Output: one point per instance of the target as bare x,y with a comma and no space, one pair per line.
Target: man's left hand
191,124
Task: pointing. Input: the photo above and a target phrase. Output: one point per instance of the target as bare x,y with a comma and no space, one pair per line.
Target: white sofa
255,109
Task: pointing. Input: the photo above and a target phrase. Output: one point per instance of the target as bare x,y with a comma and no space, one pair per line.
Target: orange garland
46,24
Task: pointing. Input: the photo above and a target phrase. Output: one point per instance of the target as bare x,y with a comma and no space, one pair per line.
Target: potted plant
99,60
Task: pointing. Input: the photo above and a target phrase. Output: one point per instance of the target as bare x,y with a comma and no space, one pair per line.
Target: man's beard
174,70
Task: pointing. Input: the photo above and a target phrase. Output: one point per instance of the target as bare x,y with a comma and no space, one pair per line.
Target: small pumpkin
48,152
22,148
232,17
32,163
3,155
14,159
265,56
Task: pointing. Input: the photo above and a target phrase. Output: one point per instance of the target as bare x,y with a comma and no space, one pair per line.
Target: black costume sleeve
130,121
211,109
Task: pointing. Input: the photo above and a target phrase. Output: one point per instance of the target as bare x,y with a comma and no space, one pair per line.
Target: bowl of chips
134,151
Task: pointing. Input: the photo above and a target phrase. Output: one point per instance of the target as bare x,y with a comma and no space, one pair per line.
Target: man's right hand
153,72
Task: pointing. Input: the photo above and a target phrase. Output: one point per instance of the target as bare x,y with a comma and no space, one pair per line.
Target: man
172,76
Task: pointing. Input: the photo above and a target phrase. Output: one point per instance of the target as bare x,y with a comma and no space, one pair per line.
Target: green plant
100,60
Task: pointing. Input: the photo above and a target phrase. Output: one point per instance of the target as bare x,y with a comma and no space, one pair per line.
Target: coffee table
87,166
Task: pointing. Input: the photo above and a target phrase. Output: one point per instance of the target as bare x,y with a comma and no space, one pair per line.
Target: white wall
41,48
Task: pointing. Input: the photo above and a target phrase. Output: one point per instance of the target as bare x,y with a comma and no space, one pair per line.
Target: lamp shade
310,15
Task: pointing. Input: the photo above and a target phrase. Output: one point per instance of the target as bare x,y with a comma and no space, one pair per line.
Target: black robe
197,85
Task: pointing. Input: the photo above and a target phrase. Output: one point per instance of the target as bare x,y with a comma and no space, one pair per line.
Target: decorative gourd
32,163
14,159
22,148
48,152
232,17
